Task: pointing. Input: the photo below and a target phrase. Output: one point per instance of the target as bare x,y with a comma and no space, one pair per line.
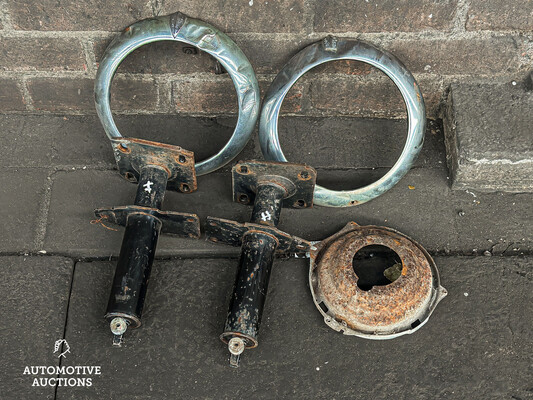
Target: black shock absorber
269,186
155,167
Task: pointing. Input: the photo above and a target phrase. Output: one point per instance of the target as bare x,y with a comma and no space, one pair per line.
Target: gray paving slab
34,309
477,345
57,140
422,206
489,140
22,192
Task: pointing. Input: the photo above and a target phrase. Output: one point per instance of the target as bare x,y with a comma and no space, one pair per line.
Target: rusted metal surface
270,186
201,36
298,180
173,223
219,230
383,312
133,154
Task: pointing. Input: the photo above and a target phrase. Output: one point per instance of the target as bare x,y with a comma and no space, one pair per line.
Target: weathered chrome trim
330,49
204,36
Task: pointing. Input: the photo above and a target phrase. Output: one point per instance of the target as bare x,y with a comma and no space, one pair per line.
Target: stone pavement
57,269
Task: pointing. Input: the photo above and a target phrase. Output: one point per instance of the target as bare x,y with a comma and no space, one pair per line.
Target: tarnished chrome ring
330,49
204,36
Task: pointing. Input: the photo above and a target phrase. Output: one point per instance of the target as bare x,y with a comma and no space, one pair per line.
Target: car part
330,49
392,309
269,186
156,167
181,28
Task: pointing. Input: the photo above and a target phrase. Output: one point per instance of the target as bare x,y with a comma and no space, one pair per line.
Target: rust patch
382,310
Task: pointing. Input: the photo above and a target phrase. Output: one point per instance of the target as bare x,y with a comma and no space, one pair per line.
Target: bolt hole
243,198
123,148
415,324
130,177
376,265
299,203
185,188
182,159
243,169
304,175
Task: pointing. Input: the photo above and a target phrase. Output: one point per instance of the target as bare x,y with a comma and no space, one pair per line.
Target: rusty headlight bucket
379,312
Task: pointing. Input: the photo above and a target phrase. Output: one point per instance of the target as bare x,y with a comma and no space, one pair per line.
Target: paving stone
330,143
477,344
488,136
21,195
34,312
442,222
55,140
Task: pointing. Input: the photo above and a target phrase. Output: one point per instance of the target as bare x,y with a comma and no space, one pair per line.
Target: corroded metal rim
204,36
383,312
331,49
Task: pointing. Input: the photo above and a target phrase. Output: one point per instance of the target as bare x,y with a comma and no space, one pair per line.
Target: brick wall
49,52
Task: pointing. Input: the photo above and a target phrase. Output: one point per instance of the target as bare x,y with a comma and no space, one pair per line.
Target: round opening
376,265
182,159
130,177
123,148
146,107
243,198
299,203
359,124
185,188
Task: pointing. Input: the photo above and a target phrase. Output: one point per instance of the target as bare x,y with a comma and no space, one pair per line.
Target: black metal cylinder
133,268
138,249
267,204
151,187
251,285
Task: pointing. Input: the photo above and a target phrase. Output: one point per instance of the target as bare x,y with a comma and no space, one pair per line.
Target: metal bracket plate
133,154
173,223
298,179
229,232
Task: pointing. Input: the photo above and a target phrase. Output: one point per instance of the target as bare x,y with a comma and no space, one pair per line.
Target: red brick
346,95
268,56
230,16
11,98
383,15
43,54
218,96
500,15
240,16
77,94
161,58
495,55
52,15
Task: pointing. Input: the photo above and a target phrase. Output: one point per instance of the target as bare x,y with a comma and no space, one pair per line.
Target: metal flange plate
173,223
225,231
133,154
383,312
298,180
